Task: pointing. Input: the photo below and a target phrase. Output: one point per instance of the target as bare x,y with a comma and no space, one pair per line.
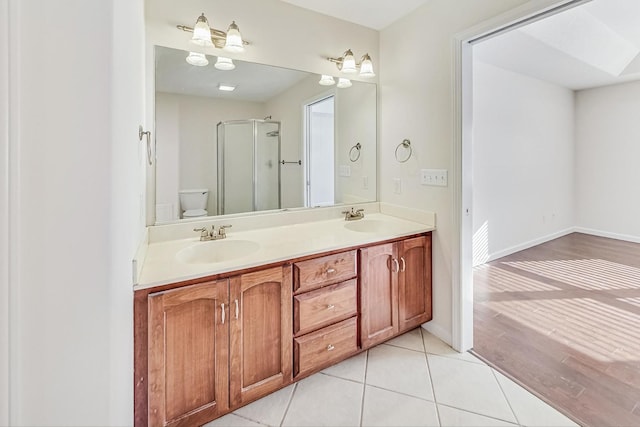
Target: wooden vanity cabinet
205,349
261,334
395,288
218,345
188,354
325,311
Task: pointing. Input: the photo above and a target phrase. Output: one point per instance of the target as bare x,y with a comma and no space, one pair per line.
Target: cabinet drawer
325,346
315,309
314,273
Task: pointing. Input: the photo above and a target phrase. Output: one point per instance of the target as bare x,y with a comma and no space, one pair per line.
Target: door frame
462,185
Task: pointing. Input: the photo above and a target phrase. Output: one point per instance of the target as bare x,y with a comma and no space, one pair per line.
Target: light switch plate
435,177
397,185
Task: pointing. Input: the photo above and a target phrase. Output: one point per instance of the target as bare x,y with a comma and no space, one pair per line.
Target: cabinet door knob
330,306
395,262
331,270
222,307
330,347
404,264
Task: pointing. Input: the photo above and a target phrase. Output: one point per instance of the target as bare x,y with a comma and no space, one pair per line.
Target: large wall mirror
277,140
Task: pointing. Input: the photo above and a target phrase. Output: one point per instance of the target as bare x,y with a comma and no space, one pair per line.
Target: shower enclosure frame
220,161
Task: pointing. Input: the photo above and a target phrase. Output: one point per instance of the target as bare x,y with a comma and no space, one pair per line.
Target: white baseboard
438,330
530,244
600,233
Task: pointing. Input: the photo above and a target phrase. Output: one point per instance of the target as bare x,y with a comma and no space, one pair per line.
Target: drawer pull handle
395,262
404,264
237,309
222,307
330,347
330,306
331,270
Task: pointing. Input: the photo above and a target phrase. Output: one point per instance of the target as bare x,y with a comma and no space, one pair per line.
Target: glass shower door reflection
248,166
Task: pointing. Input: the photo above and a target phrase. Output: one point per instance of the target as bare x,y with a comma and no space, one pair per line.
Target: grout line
364,385
286,410
433,390
477,413
505,396
245,418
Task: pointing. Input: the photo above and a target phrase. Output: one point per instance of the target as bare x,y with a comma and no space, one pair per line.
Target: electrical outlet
436,177
397,185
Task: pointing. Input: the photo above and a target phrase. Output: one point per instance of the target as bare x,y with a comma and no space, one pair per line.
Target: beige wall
416,92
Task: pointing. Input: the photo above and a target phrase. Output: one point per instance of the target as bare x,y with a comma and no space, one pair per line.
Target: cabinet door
378,293
261,333
188,354
414,288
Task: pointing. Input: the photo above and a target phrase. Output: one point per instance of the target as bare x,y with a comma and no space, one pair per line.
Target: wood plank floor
563,319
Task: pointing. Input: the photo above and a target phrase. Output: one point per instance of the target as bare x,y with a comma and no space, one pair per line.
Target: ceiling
376,14
592,45
254,82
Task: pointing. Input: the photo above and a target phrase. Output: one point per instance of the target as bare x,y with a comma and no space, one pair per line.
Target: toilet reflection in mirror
193,202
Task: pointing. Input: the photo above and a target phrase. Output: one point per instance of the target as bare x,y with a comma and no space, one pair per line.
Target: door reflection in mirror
319,146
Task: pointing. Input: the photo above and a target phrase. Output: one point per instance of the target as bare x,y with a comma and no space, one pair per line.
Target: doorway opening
319,119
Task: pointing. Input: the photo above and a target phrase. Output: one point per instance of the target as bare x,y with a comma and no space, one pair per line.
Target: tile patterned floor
412,380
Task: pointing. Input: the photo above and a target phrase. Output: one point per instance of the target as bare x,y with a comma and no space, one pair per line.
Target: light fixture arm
218,37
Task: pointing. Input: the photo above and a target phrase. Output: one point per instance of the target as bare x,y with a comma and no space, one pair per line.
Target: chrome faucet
353,215
212,235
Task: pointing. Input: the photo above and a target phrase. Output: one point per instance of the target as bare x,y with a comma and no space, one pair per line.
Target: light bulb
224,64
326,80
233,42
348,62
202,32
197,59
344,83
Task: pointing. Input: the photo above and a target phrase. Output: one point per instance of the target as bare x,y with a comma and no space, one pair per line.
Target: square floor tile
351,369
453,417
434,345
323,400
232,420
399,369
270,409
387,408
411,340
468,386
529,409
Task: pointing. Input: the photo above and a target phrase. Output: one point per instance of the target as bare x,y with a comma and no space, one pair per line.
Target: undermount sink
367,225
216,251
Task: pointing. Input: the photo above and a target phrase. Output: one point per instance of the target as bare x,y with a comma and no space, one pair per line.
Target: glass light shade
348,62
366,67
197,59
233,42
344,83
326,80
224,64
202,32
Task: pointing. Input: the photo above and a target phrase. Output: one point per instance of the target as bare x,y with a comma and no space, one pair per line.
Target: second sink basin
216,251
367,225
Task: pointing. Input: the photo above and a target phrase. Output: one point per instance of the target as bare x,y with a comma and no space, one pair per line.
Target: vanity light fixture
326,80
226,88
344,83
224,64
347,64
205,36
197,59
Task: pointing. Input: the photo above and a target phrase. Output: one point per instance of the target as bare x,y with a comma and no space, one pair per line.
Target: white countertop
161,266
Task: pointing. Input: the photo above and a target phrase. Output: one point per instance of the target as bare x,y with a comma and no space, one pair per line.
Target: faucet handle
222,230
203,232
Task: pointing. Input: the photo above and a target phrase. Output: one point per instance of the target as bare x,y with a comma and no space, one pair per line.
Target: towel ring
406,144
141,134
355,155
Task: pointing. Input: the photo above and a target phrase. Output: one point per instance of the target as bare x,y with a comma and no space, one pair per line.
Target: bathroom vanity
243,328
